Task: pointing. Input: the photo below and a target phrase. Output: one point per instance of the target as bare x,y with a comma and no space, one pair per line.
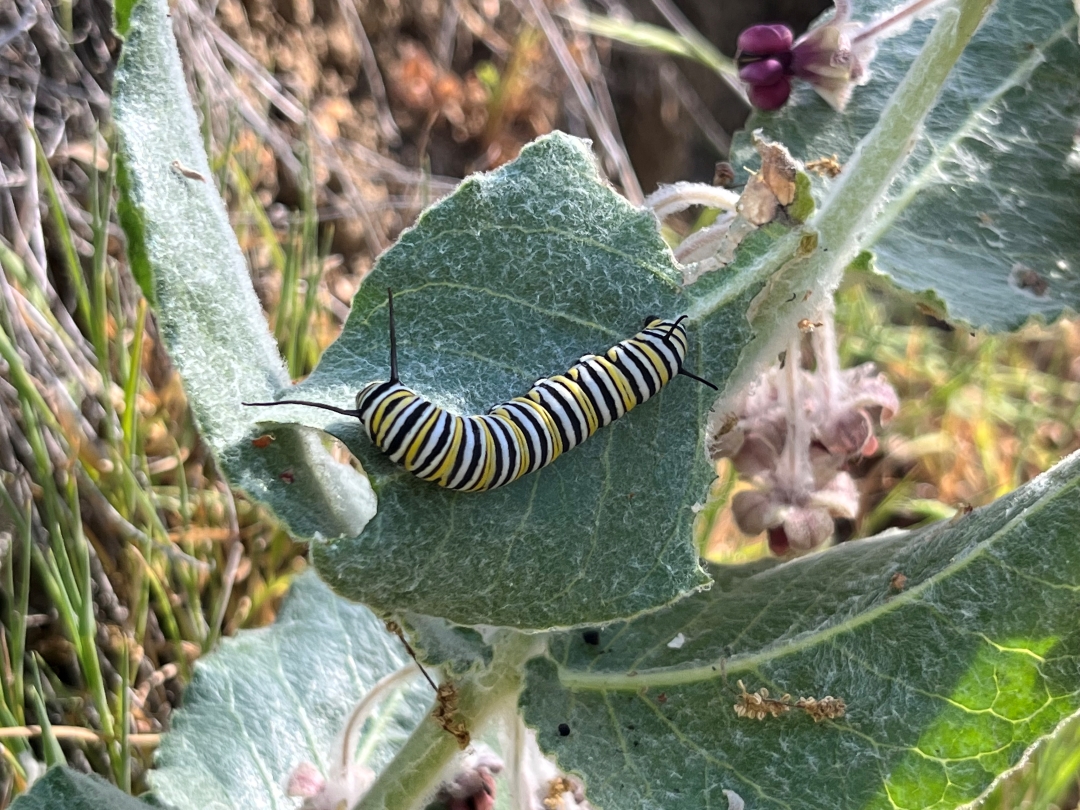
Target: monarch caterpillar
515,438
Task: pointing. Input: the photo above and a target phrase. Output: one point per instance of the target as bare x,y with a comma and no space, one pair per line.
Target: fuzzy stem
794,459
668,200
704,243
854,199
901,17
828,357
365,707
520,798
414,774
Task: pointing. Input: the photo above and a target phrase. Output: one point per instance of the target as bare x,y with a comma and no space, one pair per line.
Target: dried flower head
827,708
758,705
565,793
445,714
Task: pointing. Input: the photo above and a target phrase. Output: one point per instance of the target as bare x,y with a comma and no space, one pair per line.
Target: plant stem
853,202
898,18
414,774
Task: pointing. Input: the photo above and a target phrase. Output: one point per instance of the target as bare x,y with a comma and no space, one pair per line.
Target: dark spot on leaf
591,637
564,730
1027,279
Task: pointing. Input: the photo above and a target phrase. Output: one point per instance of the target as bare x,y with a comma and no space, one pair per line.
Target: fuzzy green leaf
992,186
64,789
456,650
186,257
512,278
948,677
272,698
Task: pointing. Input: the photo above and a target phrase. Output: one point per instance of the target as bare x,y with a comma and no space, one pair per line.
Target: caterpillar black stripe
515,438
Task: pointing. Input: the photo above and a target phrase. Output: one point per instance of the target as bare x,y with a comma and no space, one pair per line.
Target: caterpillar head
373,393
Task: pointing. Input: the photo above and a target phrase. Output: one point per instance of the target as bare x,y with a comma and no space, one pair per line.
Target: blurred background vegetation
330,125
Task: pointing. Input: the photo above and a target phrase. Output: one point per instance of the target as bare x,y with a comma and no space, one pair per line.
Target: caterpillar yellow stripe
483,452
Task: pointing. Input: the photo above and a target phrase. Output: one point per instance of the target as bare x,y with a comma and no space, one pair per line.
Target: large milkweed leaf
514,277
68,789
984,212
272,698
955,647
185,256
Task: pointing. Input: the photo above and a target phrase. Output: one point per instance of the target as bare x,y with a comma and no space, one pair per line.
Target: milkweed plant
558,642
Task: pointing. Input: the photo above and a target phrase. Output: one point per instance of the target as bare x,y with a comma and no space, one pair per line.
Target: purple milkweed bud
473,788
765,40
833,58
753,511
807,527
770,97
847,433
763,73
756,455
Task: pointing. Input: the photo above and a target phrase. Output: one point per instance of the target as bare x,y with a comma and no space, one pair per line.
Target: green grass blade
653,37
131,384
54,754
63,227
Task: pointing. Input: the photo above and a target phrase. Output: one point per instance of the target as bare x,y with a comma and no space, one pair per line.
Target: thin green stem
101,203
44,475
124,744
24,383
50,577
50,746
414,773
131,385
63,227
17,608
654,37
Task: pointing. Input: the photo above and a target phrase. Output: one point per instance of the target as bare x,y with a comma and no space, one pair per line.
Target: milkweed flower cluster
833,58
473,786
792,435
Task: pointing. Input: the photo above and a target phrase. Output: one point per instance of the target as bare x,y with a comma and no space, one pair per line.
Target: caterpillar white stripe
483,452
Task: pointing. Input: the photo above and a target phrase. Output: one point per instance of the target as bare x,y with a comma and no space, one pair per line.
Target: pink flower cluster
794,433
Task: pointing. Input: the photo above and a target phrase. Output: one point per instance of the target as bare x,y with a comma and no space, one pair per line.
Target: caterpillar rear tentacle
515,438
